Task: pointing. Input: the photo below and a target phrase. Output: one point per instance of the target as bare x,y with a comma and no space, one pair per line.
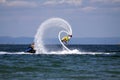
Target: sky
88,18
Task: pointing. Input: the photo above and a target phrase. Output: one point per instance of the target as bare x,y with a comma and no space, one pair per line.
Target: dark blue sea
92,62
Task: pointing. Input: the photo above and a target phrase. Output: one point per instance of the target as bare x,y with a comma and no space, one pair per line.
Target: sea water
94,62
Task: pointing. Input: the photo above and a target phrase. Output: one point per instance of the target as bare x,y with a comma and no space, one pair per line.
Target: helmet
70,35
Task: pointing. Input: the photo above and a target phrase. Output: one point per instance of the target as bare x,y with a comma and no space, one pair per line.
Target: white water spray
53,22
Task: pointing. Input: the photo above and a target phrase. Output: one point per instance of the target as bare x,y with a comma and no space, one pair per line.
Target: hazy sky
88,18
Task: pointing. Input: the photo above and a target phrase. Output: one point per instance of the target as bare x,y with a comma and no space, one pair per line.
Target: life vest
66,38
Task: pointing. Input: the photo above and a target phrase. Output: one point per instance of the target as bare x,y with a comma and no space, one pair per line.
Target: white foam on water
64,52
75,51
3,52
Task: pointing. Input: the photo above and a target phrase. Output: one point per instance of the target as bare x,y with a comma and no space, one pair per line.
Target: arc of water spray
53,22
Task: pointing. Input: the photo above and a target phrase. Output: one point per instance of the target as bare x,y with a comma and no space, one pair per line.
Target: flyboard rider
66,39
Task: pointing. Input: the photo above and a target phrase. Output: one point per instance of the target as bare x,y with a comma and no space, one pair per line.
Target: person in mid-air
65,39
30,49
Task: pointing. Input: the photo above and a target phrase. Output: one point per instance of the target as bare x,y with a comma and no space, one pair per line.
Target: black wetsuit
30,50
